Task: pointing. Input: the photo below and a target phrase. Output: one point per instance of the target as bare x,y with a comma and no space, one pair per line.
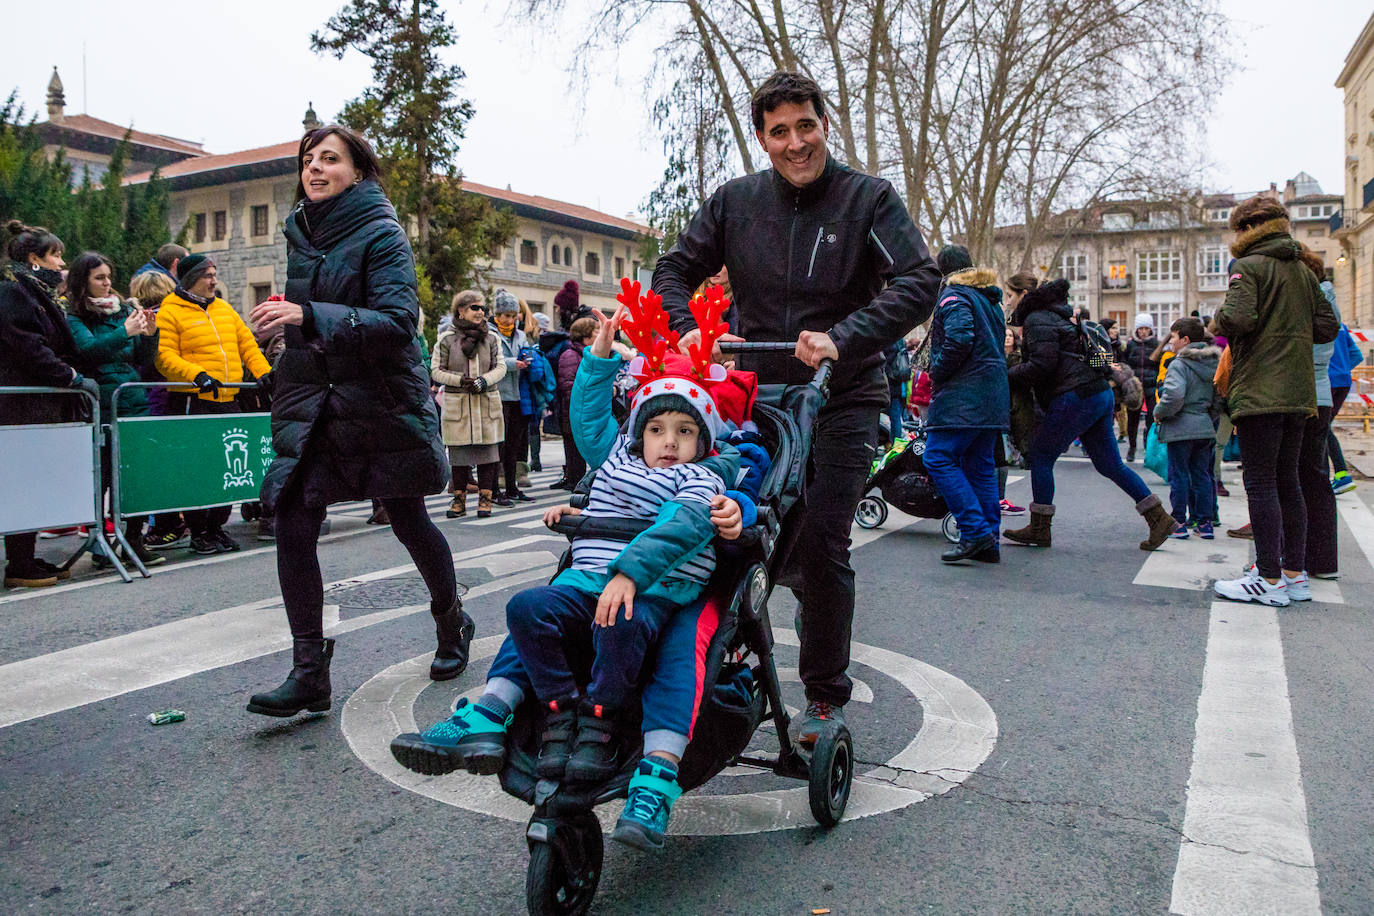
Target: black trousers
843,443
535,422
1333,445
298,558
1317,494
486,478
201,521
1147,410
1270,445
516,443
574,465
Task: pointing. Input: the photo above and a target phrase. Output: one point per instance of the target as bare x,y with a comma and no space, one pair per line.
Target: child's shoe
1205,531
1181,532
596,754
556,743
1342,483
474,738
653,789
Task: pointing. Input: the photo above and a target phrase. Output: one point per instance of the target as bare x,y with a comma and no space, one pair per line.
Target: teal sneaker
1342,483
653,789
473,738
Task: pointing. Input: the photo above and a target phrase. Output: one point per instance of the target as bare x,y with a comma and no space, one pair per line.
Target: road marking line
1361,521
1246,847
110,667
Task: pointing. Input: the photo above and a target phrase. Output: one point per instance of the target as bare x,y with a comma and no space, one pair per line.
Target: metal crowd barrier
178,463
52,478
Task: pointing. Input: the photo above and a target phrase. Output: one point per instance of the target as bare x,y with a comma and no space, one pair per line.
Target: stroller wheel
832,773
563,873
949,527
871,512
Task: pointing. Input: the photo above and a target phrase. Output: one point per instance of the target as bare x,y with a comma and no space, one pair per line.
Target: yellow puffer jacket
213,340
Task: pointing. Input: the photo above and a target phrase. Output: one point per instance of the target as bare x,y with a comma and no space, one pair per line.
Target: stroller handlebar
821,380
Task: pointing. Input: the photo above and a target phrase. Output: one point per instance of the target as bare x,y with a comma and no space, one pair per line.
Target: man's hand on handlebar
814,346
553,515
727,517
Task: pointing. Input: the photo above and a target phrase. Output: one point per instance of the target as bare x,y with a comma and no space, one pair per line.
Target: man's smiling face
794,137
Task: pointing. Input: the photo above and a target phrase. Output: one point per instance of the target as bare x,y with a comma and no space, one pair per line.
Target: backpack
1097,347
1128,387
544,389
898,364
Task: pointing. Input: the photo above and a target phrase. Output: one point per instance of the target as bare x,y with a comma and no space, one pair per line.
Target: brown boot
1037,533
484,504
1161,523
459,507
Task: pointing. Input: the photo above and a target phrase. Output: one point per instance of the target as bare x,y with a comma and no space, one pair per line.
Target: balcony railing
1118,284
1344,219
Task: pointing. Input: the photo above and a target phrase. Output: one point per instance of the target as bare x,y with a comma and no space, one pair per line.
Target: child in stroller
564,836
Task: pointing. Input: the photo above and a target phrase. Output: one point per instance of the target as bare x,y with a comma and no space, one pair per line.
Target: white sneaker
1253,587
1299,589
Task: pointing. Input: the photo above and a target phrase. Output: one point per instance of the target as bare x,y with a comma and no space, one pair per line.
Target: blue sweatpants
674,689
962,463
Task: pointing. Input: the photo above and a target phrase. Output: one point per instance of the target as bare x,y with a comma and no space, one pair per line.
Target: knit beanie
671,393
952,259
566,298
1143,320
504,302
191,268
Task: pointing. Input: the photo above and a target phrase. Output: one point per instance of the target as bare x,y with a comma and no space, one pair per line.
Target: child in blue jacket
625,596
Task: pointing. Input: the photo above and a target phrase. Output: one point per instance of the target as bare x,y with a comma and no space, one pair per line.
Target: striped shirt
625,487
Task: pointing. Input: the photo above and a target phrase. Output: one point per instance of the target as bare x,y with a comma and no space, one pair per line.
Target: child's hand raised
605,333
620,590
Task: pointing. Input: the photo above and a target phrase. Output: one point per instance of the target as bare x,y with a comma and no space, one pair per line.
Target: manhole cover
382,594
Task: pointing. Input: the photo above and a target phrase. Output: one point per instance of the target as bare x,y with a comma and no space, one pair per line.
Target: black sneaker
61,574
166,540
555,744
820,715
145,556
521,497
503,500
560,484
27,574
224,542
597,754
204,544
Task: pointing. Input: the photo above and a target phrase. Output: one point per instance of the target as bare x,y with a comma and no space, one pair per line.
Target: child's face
670,438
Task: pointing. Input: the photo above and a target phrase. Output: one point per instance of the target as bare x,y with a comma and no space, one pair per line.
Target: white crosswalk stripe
438,504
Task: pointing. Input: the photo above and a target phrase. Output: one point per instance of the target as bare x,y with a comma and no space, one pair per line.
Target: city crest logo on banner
239,474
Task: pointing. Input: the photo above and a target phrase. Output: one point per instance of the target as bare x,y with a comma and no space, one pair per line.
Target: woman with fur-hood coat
1079,405
970,404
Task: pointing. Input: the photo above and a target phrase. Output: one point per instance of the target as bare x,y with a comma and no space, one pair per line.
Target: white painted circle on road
958,732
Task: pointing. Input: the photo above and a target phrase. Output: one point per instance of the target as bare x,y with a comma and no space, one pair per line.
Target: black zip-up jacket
840,255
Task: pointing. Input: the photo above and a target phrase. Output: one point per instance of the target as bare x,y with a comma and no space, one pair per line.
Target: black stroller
564,834
900,476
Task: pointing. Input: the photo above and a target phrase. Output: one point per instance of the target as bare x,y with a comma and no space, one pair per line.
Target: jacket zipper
820,230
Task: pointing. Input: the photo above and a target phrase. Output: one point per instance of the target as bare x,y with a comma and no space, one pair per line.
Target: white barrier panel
49,477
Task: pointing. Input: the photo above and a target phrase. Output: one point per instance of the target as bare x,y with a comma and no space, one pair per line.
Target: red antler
647,324
707,310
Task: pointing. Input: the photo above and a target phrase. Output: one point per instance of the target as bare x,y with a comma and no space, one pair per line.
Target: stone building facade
1166,260
1353,226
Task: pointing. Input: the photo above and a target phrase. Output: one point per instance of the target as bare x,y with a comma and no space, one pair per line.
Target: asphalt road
1079,806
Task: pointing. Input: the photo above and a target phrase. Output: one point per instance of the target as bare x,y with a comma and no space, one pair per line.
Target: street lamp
1341,259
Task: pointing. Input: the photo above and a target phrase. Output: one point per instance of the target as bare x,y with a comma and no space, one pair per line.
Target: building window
261,293
619,267
556,256
1158,268
567,257
1117,221
1117,276
221,223
1164,314
200,228
1219,215
593,265
529,253
1073,267
259,213
1078,301
634,268
1211,268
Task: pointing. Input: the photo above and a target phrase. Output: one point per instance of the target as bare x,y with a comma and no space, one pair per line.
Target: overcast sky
238,75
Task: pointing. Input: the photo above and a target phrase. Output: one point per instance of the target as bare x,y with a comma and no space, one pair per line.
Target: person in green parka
113,342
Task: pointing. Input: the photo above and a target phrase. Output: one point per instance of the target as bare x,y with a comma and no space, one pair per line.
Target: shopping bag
1156,454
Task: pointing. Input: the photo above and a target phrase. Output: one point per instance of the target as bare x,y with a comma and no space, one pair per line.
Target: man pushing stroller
617,601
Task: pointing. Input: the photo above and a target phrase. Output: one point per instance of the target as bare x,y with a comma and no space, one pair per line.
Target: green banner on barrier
172,463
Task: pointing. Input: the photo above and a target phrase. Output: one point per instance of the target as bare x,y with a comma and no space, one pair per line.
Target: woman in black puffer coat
352,416
1078,404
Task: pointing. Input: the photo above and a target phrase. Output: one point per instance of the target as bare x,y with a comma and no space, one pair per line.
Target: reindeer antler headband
647,327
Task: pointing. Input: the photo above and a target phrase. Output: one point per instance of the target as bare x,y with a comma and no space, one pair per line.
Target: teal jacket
681,530
111,357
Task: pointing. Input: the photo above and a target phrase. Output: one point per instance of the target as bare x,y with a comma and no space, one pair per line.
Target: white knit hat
1144,320
693,393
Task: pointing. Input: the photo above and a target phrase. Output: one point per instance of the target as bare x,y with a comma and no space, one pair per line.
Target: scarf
192,297
471,334
315,212
107,306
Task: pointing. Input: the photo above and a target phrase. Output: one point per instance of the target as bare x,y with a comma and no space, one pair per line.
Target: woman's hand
134,325
620,590
553,515
605,333
727,517
270,316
